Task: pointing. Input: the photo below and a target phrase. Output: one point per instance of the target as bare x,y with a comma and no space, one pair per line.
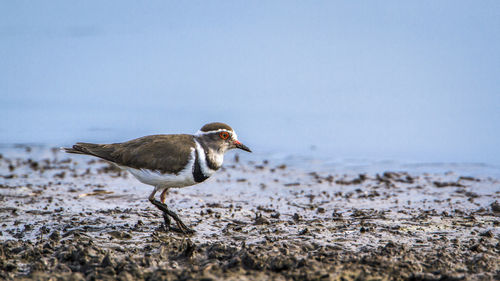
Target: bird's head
220,137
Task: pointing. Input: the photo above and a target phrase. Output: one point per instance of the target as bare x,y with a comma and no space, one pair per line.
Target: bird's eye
224,135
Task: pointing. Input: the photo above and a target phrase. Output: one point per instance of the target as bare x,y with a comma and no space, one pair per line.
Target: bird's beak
239,145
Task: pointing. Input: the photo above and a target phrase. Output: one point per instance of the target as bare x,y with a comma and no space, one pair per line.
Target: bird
167,161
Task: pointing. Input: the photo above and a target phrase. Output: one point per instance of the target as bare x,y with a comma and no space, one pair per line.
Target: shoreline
81,218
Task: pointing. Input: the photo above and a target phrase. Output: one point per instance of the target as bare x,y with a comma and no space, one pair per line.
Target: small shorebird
166,161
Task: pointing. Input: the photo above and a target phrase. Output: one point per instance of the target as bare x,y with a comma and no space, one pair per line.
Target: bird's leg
168,213
166,218
163,195
152,195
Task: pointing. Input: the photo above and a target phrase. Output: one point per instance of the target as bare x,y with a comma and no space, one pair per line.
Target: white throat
215,157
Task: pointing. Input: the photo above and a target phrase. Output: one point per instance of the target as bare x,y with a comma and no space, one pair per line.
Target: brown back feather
166,153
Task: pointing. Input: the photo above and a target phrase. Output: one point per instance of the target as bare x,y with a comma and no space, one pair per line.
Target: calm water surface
336,82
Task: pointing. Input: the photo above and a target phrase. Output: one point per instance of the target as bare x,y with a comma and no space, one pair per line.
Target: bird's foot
183,228
167,220
167,214
187,231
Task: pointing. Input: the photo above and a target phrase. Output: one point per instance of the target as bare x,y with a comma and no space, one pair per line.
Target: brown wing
166,153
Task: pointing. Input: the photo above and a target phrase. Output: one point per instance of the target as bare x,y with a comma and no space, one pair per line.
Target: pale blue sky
408,80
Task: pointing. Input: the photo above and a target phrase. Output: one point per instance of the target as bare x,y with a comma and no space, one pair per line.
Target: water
336,82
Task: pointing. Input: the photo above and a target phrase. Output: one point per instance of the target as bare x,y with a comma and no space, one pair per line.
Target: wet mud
77,218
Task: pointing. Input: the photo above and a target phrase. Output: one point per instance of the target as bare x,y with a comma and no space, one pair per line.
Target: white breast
156,178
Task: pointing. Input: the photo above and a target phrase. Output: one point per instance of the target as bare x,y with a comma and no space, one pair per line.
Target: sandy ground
66,217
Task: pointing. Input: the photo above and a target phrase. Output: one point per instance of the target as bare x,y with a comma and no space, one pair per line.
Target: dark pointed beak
239,145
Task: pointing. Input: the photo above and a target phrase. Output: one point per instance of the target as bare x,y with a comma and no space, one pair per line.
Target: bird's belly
156,178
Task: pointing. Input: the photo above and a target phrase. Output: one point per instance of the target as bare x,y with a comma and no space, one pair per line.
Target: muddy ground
65,217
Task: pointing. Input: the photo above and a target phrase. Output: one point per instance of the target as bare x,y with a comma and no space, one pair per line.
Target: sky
398,80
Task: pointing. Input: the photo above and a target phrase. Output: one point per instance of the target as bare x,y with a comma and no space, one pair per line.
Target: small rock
495,206
55,236
120,234
488,234
304,231
296,217
259,219
107,261
275,215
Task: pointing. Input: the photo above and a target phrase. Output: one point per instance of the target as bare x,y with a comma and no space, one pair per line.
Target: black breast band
197,173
